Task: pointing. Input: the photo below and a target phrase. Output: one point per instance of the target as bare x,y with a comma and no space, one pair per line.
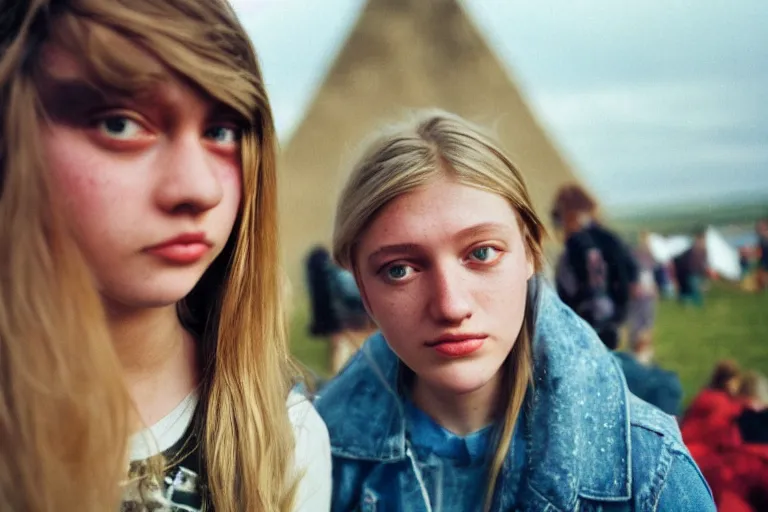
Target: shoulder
308,427
361,386
664,475
649,421
312,455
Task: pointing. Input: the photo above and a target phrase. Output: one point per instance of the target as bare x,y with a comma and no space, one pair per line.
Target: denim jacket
589,444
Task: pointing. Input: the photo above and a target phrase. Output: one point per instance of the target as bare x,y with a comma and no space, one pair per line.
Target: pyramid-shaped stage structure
403,54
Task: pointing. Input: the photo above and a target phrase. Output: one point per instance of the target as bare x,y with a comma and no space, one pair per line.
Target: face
150,187
444,272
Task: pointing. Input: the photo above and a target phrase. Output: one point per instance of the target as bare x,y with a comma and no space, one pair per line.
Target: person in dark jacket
761,230
596,272
691,270
337,311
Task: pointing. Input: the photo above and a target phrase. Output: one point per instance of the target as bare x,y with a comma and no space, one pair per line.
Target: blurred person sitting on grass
647,380
712,412
725,431
753,421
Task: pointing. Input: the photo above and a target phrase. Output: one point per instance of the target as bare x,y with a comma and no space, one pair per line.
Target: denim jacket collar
577,413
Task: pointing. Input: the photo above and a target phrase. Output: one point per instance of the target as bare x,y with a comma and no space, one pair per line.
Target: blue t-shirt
461,482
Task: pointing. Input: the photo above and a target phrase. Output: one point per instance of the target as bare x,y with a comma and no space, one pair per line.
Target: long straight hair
410,155
65,414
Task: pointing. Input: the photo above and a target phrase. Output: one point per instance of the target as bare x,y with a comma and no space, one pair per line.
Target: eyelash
488,263
99,119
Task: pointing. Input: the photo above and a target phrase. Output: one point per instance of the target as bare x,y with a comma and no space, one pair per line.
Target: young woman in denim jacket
483,390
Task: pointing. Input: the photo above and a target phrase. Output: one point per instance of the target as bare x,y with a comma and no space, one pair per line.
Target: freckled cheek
231,179
398,312
79,183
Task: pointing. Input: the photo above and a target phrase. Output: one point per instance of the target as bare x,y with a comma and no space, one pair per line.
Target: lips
458,345
182,250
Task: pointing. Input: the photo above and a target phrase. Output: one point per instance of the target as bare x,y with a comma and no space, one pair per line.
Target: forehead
437,212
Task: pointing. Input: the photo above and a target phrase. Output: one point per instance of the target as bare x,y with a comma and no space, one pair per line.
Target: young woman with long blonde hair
143,353
483,390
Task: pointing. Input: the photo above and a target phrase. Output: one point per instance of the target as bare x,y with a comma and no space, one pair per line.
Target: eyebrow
483,229
389,250
70,99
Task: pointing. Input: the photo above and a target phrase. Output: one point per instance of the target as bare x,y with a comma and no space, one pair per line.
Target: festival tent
722,258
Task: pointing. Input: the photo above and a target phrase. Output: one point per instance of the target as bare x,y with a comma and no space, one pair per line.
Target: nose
451,296
189,181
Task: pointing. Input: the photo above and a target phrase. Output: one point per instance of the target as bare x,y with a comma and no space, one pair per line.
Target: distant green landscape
686,218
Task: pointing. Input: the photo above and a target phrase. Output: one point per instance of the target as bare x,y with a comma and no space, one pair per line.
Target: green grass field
732,324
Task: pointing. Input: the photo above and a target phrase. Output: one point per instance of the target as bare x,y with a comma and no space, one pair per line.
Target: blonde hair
408,156
65,415
753,386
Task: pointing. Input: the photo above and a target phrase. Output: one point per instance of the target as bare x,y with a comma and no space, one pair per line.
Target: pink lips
458,345
182,250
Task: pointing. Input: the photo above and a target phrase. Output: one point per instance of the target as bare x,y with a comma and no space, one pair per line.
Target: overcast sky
650,101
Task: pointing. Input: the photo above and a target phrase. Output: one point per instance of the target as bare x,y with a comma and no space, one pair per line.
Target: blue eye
119,127
398,272
485,254
223,134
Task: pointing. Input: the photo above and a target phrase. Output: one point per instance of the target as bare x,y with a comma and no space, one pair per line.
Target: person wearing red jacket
737,472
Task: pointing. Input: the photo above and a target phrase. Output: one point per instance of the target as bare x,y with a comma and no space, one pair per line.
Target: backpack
583,281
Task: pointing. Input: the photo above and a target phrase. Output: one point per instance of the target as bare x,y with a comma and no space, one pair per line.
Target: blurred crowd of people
754,260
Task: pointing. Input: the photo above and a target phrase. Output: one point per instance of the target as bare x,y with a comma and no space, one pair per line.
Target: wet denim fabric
590,444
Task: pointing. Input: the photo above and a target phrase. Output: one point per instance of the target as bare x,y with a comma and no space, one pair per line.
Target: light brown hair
65,415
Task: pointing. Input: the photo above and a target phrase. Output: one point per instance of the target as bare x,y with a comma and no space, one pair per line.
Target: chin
151,295
460,379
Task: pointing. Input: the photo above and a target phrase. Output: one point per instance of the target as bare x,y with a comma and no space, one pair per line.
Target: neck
461,413
158,356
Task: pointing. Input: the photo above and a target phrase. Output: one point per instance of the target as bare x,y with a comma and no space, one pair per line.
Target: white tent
664,248
721,256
